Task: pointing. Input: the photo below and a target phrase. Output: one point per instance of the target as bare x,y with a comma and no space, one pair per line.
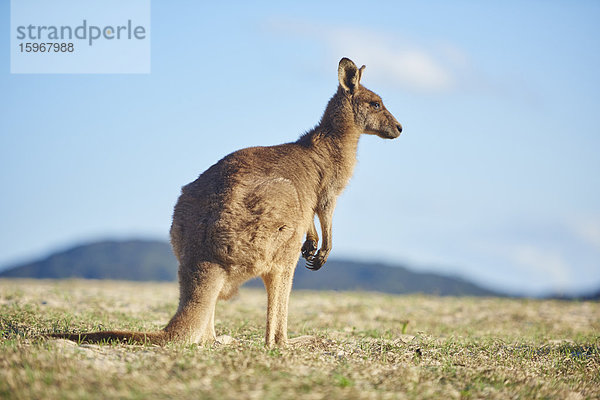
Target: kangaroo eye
376,105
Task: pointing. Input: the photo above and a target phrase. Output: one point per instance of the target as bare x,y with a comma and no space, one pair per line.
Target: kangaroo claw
314,263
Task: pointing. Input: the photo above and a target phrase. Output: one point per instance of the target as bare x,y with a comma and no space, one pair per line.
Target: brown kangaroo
246,216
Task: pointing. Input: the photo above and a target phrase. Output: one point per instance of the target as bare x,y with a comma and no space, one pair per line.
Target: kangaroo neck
341,145
333,143
336,149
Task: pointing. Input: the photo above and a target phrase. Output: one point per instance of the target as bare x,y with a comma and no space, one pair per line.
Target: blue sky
495,177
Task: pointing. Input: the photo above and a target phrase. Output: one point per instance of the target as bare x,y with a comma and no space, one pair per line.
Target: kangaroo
246,216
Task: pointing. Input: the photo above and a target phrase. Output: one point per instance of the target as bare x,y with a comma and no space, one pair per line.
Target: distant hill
585,296
353,275
592,296
132,260
143,260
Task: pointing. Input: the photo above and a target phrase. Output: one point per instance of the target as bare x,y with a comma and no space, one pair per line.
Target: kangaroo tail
159,338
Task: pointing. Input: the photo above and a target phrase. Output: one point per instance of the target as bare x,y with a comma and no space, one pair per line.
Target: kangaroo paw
314,263
309,248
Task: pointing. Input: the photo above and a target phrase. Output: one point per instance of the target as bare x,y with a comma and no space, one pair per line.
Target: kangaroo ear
360,72
348,75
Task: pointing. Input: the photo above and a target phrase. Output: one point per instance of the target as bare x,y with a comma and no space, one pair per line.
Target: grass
367,346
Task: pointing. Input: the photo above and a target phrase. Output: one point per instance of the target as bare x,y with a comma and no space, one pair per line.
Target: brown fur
247,214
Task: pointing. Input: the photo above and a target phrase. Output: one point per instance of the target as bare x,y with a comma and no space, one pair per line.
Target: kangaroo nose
399,127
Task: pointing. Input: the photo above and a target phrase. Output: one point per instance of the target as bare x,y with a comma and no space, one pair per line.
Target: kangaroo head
370,115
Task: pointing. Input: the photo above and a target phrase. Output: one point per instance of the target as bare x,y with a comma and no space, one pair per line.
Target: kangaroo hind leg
279,286
199,291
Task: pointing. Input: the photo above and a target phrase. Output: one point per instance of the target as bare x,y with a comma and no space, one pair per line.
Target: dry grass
367,346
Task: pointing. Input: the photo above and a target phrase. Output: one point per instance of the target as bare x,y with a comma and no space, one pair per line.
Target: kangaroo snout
399,129
390,131
395,128
393,131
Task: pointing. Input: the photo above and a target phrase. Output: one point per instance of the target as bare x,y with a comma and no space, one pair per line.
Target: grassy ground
367,346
